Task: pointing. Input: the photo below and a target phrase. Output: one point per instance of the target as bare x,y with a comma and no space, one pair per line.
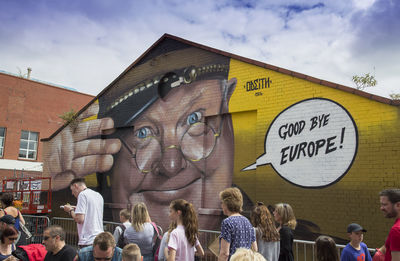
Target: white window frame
29,141
2,142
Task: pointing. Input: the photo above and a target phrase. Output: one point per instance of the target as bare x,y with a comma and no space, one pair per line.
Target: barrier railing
36,225
303,250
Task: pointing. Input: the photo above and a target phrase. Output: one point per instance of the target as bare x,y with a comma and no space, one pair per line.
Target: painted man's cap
147,81
354,227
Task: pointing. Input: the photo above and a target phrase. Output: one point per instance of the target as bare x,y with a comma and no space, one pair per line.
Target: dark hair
7,232
189,219
80,181
56,230
325,248
7,199
392,194
261,218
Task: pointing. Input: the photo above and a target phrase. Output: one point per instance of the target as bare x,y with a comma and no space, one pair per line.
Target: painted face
356,237
49,242
387,207
181,147
100,255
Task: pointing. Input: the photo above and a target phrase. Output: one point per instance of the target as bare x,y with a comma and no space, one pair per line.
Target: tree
365,81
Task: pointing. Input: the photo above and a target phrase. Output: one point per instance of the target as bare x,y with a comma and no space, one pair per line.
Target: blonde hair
131,252
125,213
232,198
139,216
262,219
286,213
244,254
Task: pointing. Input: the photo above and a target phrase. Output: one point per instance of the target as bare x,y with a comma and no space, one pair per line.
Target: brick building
186,121
29,111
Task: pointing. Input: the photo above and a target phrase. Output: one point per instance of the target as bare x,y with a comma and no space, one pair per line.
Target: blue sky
87,44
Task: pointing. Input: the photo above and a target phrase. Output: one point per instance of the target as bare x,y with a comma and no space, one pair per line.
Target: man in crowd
390,205
54,241
124,217
88,213
104,248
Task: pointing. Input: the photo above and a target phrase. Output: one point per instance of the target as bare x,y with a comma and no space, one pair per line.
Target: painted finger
90,164
96,147
88,129
91,111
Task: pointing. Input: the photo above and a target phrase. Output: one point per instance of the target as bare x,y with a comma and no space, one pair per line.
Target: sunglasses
13,238
103,258
46,237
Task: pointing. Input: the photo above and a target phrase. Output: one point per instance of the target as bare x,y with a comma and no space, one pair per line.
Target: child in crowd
325,249
356,249
163,252
184,238
131,252
267,236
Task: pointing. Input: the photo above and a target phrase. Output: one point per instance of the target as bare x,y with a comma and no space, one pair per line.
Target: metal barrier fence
36,225
303,250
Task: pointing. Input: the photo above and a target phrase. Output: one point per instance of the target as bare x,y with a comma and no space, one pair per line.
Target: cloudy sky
85,44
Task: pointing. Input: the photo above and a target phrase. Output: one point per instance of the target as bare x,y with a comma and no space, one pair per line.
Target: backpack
121,241
157,240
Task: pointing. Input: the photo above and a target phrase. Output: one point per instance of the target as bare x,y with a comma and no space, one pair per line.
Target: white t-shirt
90,203
178,241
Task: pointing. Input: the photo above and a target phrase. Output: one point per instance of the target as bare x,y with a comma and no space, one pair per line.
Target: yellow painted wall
354,198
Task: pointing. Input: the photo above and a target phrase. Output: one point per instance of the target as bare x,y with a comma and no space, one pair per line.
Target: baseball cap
354,227
8,219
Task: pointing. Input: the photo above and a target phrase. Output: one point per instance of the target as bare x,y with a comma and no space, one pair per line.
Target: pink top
178,242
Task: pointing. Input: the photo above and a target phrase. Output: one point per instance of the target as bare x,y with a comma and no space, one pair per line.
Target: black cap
8,219
354,227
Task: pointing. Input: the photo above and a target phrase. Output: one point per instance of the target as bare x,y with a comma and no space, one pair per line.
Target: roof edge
243,59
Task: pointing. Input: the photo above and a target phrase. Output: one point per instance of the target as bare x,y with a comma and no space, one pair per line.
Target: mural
312,143
186,122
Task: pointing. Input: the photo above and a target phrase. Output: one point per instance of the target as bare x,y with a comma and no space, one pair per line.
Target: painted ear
227,88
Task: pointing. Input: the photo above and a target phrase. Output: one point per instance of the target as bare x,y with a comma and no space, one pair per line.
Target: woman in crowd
236,230
183,240
141,232
284,216
325,249
7,242
267,236
7,200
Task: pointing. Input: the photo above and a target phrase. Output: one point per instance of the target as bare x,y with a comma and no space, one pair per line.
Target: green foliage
365,81
395,96
69,118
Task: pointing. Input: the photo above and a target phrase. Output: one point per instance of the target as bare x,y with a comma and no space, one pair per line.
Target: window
2,137
28,145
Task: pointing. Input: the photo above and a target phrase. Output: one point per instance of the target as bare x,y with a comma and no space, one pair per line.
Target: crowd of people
267,235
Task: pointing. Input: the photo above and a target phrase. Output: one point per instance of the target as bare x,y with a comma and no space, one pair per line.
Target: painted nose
172,161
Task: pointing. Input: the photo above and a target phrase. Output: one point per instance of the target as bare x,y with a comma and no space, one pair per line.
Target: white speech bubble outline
307,173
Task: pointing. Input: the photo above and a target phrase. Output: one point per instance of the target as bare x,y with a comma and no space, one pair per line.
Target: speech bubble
312,143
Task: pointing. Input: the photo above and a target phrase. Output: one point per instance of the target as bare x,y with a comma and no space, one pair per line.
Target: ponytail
189,219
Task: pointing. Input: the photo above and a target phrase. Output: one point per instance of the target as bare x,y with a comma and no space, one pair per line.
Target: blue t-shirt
238,231
349,253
